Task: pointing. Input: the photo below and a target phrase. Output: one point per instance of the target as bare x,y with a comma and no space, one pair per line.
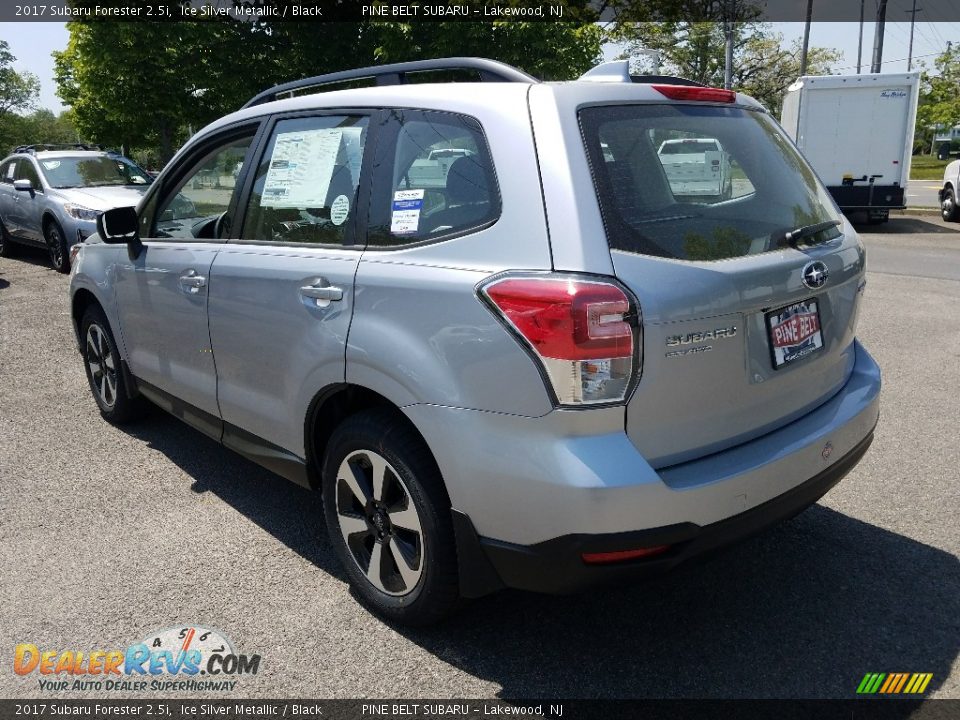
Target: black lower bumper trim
555,566
866,197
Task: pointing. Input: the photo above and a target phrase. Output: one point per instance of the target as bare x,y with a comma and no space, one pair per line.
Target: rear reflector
698,94
581,330
621,555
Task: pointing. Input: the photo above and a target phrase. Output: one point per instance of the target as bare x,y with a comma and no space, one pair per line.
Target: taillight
696,93
582,331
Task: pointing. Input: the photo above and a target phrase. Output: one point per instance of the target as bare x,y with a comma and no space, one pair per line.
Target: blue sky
32,44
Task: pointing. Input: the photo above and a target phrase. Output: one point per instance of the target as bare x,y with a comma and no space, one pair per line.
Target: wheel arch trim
333,404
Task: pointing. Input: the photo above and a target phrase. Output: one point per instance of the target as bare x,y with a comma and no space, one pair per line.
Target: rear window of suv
736,188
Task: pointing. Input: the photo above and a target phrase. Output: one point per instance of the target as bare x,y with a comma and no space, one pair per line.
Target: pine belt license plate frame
794,319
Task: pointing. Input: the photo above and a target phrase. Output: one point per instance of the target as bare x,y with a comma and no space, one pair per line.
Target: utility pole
878,37
860,41
806,39
913,19
731,9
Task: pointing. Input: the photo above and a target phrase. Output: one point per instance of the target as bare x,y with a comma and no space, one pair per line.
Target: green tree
40,126
145,85
18,90
939,103
289,51
549,51
763,66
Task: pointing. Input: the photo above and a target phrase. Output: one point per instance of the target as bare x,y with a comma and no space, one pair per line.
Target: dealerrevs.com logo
179,659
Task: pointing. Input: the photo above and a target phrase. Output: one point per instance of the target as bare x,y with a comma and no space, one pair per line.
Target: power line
936,33
931,43
884,62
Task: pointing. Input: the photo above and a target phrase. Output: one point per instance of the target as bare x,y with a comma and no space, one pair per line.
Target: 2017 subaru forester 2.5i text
529,362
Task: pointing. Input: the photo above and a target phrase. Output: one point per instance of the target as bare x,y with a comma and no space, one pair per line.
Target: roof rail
396,74
39,147
619,71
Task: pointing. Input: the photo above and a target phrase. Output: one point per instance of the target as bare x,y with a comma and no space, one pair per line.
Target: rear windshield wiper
797,234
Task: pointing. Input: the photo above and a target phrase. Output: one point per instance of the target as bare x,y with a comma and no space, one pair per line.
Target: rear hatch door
749,304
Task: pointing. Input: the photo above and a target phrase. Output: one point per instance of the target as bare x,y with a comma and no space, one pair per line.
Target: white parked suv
525,363
950,192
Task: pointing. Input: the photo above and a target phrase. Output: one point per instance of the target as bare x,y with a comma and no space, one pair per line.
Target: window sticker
51,164
301,167
339,209
405,215
10,170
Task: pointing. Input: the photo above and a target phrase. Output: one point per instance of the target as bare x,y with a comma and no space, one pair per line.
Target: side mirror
121,225
23,185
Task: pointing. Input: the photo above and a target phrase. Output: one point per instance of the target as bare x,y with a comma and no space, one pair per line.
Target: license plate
794,332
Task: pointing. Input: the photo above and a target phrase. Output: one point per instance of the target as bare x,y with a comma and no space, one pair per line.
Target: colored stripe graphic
922,684
903,679
894,683
892,678
870,683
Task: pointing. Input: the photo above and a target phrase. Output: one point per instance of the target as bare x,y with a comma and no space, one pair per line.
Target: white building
946,135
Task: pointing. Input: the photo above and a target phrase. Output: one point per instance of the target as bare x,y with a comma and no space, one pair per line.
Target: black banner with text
463,10
886,709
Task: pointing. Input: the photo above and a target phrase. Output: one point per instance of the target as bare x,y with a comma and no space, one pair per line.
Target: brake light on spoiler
696,93
584,332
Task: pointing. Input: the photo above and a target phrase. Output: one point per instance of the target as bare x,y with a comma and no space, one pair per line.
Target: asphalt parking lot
109,534
924,193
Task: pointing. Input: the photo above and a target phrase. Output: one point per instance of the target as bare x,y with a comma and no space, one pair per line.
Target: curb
925,211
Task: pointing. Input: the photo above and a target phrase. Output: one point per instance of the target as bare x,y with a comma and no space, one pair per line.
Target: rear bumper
531,494
556,566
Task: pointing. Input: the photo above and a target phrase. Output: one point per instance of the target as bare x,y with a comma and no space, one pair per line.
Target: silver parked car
50,197
530,365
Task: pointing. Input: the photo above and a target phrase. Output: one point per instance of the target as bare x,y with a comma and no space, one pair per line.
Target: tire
8,247
56,246
107,384
404,517
949,209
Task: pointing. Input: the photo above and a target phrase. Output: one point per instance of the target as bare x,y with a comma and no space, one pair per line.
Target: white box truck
857,133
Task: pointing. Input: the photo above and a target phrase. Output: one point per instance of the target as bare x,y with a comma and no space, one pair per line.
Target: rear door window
437,181
700,182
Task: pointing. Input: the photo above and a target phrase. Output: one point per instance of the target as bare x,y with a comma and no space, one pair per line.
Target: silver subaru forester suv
493,331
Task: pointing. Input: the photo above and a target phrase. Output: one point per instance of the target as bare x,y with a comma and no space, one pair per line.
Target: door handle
191,283
322,292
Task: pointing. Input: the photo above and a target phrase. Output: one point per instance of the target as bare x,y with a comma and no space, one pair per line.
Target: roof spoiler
619,71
